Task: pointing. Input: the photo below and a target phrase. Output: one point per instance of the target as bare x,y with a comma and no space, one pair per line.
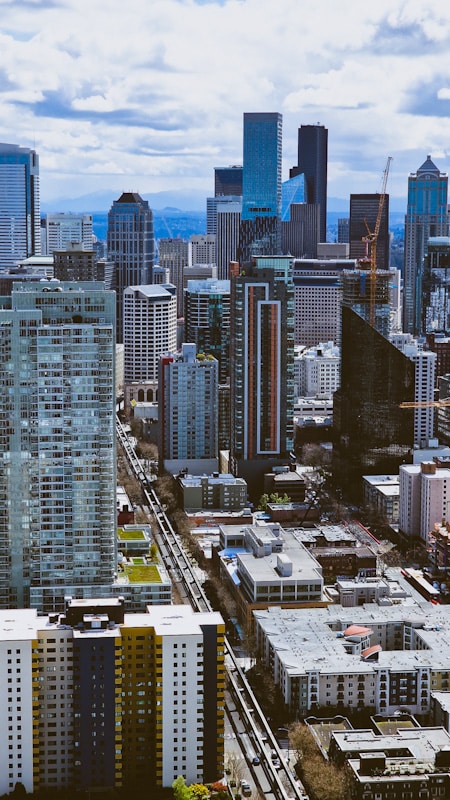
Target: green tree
180,790
275,497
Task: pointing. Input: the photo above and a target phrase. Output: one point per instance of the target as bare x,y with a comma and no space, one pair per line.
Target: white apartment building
317,370
424,498
425,375
149,330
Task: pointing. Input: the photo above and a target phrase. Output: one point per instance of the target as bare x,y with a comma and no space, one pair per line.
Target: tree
275,497
199,791
154,552
323,780
180,790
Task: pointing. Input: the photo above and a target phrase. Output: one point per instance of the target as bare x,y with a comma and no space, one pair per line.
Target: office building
76,263
188,411
374,307
131,245
228,221
318,300
426,217
374,433
174,255
57,443
261,364
202,249
20,223
300,221
261,185
62,230
343,230
317,371
102,700
228,181
363,216
313,164
220,492
436,288
150,329
212,206
207,320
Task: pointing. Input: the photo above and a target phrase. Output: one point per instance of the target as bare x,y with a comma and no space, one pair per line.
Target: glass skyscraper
57,443
426,217
313,164
131,245
261,178
20,224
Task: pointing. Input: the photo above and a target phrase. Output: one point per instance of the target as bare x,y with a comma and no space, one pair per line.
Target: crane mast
371,239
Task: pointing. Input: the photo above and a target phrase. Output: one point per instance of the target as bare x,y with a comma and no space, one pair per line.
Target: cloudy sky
148,95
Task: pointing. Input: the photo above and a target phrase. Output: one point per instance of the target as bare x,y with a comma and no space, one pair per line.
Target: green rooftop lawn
146,573
130,535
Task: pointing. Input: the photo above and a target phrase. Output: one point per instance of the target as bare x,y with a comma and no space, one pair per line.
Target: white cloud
155,91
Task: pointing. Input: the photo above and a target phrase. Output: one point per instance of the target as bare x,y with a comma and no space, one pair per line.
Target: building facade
424,498
426,217
363,216
57,443
20,223
150,329
207,320
318,300
262,367
62,230
188,411
102,700
131,245
313,164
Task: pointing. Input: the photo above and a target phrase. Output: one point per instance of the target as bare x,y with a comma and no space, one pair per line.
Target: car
256,760
245,787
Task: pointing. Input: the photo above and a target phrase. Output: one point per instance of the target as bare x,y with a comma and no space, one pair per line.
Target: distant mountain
101,202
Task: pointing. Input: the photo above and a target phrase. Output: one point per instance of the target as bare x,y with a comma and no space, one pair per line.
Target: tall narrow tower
262,368
20,231
426,216
313,163
131,245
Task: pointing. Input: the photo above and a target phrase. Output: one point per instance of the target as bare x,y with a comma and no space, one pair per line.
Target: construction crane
425,404
371,239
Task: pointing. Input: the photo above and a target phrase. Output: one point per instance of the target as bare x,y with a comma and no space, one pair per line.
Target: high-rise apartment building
20,224
131,245
207,320
97,700
202,249
313,164
261,364
423,500
57,443
363,216
436,287
174,255
62,230
426,216
149,330
261,185
188,411
76,263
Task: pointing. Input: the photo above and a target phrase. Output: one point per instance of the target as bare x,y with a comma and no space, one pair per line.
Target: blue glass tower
426,216
261,185
20,224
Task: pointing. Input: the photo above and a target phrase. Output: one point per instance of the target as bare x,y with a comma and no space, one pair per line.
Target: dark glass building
227,181
364,209
313,163
131,245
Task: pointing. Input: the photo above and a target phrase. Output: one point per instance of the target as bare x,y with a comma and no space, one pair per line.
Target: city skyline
157,104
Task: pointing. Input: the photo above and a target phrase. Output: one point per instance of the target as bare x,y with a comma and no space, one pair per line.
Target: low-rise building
382,492
221,491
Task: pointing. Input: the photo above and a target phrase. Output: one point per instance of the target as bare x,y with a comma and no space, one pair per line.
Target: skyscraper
261,184
262,368
20,224
313,163
426,216
174,255
363,216
57,443
131,245
207,320
228,181
188,411
149,330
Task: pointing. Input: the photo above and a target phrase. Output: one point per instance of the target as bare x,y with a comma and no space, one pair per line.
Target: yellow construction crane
371,239
425,404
